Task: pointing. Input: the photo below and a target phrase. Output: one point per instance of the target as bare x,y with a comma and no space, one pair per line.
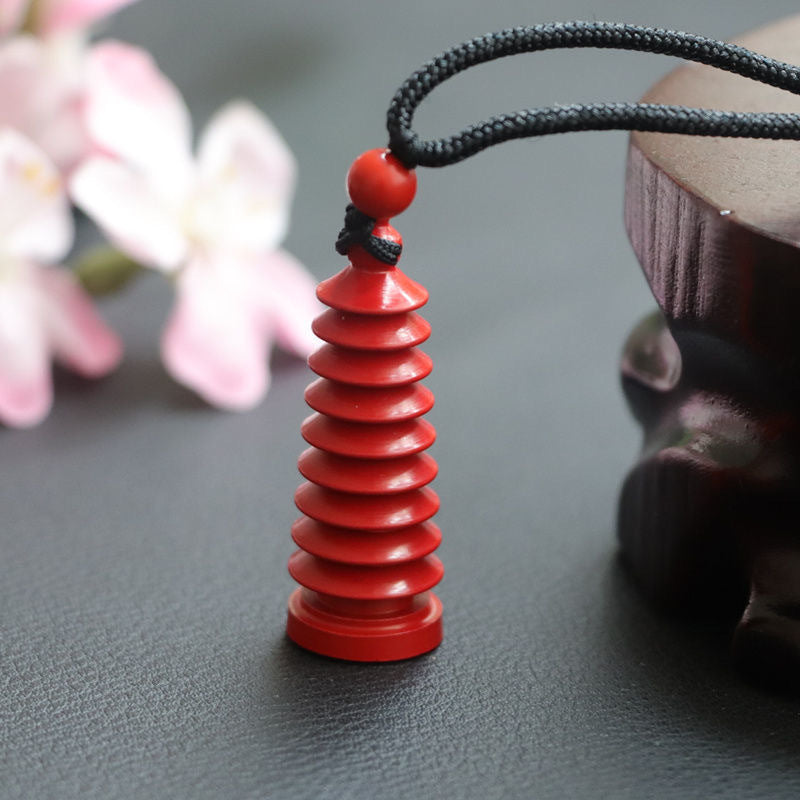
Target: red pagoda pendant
366,539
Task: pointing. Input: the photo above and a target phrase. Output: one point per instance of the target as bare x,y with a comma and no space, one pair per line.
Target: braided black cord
358,230
407,146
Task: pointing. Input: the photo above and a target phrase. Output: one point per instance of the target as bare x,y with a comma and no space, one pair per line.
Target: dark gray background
144,535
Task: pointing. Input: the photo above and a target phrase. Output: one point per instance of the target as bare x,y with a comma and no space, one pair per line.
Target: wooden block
709,518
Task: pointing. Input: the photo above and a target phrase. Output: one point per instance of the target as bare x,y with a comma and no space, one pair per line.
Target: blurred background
145,535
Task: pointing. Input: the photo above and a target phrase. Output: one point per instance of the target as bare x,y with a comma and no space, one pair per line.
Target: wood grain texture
708,516
756,180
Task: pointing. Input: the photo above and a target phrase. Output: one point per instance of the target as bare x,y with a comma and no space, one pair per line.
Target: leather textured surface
145,536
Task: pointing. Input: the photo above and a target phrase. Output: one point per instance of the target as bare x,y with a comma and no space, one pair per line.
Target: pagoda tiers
366,539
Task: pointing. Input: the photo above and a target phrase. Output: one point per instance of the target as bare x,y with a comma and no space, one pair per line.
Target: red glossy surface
356,475
366,512
379,185
366,547
368,368
371,333
365,562
356,637
360,404
359,440
359,582
384,291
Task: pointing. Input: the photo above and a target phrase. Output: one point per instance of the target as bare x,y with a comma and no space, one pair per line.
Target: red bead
379,185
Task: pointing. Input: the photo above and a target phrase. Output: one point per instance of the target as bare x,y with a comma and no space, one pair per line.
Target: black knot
358,230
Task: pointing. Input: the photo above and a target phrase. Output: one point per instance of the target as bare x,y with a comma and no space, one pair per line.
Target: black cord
358,230
412,151
407,146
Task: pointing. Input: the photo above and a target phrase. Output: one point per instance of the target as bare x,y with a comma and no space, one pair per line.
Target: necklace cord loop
406,145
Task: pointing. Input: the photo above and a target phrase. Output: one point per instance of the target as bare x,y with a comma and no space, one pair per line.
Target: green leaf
103,270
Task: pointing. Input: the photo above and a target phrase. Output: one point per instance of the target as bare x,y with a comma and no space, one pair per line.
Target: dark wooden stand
709,518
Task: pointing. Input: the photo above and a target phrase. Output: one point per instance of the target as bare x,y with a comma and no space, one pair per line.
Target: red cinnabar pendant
365,561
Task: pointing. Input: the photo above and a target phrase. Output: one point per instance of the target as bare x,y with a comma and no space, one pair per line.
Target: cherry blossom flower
42,89
43,312
214,223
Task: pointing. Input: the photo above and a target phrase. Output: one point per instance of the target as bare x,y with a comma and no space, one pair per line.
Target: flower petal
246,180
64,137
57,16
77,335
213,342
41,98
134,112
11,13
123,203
26,391
21,66
286,293
35,220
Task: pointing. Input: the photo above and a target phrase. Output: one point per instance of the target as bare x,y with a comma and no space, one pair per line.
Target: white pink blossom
214,222
44,314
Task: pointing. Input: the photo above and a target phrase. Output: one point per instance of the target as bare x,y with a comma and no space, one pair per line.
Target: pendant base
386,638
